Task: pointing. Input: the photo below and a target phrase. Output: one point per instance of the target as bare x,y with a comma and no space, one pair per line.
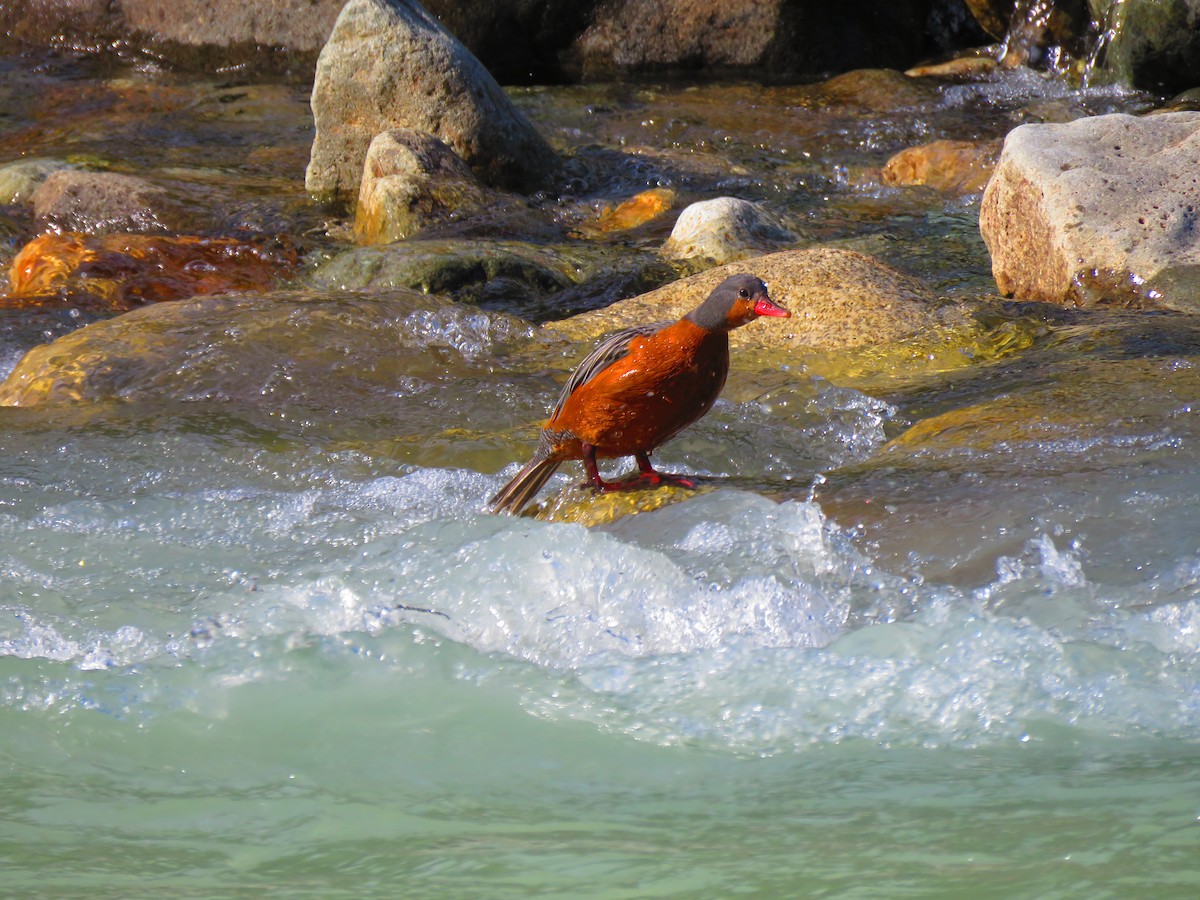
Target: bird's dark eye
744,293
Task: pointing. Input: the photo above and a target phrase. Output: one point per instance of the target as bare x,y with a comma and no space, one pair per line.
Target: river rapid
930,626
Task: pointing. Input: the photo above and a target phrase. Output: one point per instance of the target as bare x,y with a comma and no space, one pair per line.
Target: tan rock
411,180
1098,209
882,90
838,299
961,68
959,167
102,202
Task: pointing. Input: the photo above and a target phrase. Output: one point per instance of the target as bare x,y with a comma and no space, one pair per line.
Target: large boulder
768,38
838,299
211,35
300,25
1104,208
390,64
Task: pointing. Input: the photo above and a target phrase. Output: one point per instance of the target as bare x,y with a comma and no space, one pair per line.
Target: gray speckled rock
725,229
389,64
1104,208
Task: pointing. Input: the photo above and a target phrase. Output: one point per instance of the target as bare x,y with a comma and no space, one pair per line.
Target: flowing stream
257,636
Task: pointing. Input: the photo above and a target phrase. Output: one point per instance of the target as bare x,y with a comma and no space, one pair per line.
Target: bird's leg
647,474
593,471
652,475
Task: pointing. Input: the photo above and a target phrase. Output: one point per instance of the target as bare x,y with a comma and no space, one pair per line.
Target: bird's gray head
734,302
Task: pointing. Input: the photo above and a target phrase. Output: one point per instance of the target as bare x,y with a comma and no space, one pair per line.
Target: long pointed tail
524,485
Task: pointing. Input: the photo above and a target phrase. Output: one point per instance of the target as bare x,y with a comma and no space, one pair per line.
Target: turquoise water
231,666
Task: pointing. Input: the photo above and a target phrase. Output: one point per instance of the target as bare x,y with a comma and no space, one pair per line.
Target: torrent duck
640,387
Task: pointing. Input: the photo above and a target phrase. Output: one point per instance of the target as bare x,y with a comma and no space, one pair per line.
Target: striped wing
613,347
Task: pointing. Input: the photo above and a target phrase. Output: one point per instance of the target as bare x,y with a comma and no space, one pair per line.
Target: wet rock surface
532,280
262,350
412,180
101,202
117,272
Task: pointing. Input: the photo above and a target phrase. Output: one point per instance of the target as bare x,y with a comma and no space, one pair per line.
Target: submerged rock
581,505
19,179
838,299
264,351
117,272
445,267
531,280
1100,209
726,229
632,213
878,90
959,167
389,64
101,203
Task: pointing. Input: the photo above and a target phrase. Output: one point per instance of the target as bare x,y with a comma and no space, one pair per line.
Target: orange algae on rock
634,212
118,272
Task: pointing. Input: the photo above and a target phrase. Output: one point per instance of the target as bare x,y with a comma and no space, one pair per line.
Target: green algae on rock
535,281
